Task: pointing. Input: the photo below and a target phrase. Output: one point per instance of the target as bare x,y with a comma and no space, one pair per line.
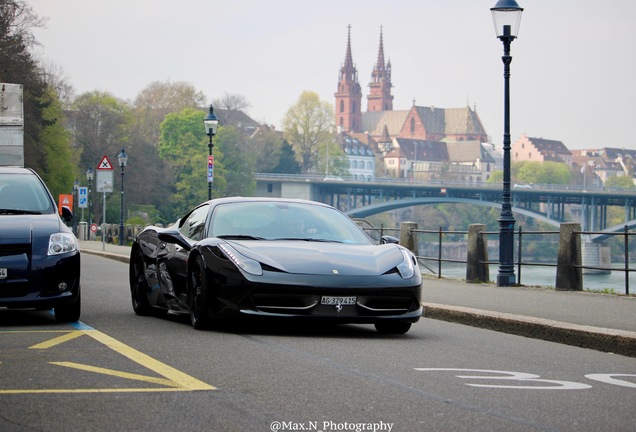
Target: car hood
22,228
318,258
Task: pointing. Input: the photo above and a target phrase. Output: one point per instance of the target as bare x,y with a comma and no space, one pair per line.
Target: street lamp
74,209
506,15
89,176
211,123
123,159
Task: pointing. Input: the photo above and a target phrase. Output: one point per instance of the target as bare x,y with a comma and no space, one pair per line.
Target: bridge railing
450,246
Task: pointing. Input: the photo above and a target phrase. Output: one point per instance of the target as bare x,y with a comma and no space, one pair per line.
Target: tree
157,100
101,126
308,125
238,162
623,182
232,102
331,160
288,162
183,145
60,169
46,142
542,172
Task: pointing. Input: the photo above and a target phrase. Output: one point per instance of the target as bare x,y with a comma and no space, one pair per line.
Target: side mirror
386,239
67,214
174,236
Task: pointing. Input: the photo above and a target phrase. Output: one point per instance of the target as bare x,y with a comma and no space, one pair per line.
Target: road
116,371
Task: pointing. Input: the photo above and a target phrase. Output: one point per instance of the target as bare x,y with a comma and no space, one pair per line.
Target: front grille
14,249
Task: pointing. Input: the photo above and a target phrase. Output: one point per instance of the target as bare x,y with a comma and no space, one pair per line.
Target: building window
341,106
412,125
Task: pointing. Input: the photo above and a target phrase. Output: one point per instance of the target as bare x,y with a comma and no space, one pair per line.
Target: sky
572,73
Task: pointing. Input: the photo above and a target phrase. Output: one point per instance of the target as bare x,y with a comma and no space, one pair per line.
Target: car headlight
406,267
248,265
60,243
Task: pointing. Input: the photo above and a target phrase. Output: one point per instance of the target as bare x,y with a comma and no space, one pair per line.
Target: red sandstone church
415,141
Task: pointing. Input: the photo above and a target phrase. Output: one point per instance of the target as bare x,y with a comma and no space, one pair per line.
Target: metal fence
442,237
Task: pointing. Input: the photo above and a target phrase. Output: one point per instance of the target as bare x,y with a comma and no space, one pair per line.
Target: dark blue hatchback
39,254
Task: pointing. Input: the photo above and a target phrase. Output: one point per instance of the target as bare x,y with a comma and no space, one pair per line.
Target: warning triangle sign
104,164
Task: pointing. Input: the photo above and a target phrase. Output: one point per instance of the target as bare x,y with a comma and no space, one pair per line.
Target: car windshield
23,193
285,221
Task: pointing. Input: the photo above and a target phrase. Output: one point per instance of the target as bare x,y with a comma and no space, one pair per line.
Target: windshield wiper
239,237
16,211
308,239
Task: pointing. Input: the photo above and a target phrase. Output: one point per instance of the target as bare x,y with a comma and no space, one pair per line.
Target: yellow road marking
119,374
173,379
58,340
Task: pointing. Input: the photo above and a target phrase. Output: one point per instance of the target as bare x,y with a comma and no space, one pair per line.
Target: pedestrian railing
436,242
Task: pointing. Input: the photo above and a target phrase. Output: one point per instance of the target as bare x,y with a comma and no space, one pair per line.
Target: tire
198,296
69,312
138,285
392,327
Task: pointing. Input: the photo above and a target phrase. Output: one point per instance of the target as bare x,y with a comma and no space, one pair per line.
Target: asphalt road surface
115,371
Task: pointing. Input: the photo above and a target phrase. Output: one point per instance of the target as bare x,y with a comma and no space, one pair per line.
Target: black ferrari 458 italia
274,257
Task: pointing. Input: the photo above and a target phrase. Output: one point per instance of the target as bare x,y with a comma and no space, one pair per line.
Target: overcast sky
573,68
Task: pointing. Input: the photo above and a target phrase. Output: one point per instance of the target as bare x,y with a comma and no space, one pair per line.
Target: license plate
334,300
3,273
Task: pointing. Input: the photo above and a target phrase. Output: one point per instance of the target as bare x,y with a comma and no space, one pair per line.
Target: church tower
380,98
349,95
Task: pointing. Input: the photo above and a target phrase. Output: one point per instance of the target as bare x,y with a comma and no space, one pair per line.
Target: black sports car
39,255
275,258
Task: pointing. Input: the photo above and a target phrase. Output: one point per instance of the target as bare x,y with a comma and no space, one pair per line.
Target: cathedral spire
349,94
380,98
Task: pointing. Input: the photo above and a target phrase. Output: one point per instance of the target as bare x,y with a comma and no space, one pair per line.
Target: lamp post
123,159
75,198
506,15
89,176
211,123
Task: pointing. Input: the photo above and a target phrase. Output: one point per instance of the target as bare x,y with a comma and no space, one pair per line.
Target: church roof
374,121
425,151
443,121
467,151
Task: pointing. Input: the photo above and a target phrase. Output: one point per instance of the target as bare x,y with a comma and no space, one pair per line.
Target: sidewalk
603,322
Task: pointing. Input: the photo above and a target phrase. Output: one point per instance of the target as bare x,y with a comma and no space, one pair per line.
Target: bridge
543,202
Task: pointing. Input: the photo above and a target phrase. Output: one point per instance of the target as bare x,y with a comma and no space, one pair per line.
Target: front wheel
138,285
392,327
69,312
198,296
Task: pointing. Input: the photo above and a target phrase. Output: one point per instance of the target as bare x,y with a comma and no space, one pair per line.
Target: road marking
173,379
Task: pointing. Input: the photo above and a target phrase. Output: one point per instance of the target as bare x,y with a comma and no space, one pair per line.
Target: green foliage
308,125
541,172
331,160
238,162
623,182
60,169
495,177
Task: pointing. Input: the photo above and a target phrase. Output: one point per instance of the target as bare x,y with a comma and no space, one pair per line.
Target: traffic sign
104,164
82,195
65,200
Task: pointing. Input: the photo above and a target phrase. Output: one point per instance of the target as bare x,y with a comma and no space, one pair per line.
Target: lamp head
211,123
122,158
506,16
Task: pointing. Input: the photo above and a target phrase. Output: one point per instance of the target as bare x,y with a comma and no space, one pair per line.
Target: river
541,276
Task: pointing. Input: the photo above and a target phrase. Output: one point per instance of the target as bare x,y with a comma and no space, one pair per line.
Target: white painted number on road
520,377
608,378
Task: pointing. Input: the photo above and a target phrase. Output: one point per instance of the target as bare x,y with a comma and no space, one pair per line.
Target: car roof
237,199
16,170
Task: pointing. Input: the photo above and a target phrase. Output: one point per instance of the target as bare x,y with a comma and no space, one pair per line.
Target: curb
116,257
597,338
